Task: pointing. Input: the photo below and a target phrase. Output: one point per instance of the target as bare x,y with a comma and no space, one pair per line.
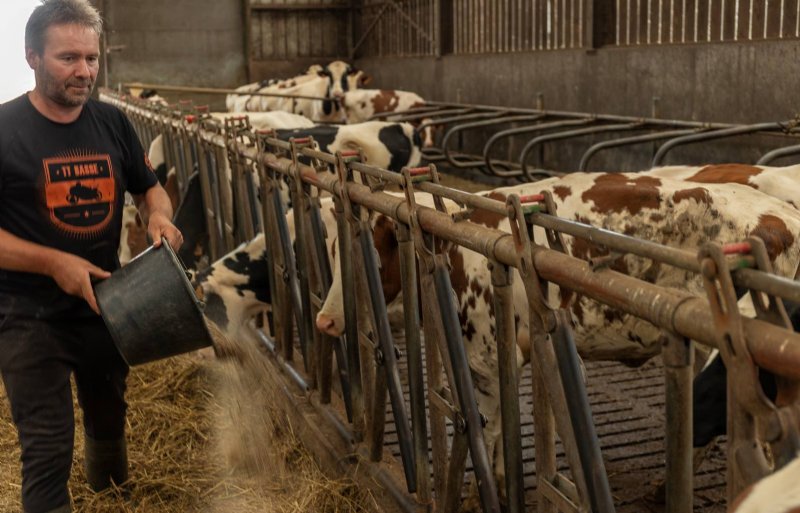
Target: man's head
62,46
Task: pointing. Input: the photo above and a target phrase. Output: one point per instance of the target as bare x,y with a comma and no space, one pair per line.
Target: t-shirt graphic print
80,192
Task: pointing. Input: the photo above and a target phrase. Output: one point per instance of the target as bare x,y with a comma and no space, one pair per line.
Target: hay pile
202,437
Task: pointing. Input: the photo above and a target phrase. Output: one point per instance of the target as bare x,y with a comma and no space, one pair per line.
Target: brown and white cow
361,104
669,212
776,493
779,182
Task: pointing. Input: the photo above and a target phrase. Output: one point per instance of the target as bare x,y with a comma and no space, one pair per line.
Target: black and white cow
386,145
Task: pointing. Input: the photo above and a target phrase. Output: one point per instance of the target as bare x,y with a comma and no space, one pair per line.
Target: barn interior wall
196,42
726,83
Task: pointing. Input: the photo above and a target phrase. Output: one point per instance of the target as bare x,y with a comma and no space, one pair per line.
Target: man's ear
32,57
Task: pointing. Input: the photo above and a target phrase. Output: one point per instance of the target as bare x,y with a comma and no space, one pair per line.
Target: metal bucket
150,308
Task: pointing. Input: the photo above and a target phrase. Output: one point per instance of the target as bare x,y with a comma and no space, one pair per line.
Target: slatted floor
628,411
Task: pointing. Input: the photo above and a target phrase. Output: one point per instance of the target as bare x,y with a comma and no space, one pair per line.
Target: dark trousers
36,360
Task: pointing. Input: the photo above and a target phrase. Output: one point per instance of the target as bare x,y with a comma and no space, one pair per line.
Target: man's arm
71,272
155,210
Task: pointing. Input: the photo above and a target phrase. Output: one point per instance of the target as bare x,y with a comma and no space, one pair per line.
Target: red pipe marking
302,140
190,118
531,198
736,247
350,153
416,171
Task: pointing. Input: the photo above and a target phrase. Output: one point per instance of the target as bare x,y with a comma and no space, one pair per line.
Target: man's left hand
159,227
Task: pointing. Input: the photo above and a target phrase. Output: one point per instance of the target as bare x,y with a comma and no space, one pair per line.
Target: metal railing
511,140
366,358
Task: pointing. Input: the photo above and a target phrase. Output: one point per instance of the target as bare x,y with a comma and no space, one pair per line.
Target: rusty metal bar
465,390
580,414
419,426
387,355
351,323
219,90
678,354
509,386
773,348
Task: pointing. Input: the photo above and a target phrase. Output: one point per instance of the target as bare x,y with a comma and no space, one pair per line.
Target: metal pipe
778,153
678,355
416,382
623,141
522,130
219,90
715,134
580,415
290,371
479,124
351,324
465,390
384,334
509,386
775,349
566,135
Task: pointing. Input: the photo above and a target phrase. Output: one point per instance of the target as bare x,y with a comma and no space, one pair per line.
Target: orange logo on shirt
80,192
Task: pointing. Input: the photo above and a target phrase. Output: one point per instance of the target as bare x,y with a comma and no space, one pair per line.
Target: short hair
59,12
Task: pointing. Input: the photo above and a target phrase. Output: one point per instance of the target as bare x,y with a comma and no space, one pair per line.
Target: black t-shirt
62,185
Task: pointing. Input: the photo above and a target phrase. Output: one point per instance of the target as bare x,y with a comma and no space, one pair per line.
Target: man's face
67,68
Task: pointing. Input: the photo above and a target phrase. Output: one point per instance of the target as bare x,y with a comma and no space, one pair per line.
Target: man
65,163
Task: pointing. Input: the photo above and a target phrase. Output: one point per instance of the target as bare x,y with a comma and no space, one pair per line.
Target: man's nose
83,69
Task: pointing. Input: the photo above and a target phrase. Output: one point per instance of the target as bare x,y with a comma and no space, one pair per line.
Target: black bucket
150,308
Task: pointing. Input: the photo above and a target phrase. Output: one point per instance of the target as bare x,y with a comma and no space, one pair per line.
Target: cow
331,83
386,145
133,236
670,212
240,102
362,104
776,493
235,287
779,182
133,239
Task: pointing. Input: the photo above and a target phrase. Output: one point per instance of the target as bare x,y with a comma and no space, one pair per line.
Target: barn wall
197,42
744,82
723,82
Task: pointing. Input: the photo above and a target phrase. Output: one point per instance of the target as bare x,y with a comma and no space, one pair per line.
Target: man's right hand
74,275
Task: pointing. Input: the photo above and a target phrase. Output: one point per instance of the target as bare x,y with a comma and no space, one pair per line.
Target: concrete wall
179,42
729,83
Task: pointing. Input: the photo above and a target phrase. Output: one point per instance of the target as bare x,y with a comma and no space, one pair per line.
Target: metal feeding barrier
531,129
265,172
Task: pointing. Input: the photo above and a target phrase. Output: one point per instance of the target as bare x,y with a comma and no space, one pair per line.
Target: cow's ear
364,80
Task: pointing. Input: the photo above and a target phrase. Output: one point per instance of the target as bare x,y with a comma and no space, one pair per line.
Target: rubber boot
105,461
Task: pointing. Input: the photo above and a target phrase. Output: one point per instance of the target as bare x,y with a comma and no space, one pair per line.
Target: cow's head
342,77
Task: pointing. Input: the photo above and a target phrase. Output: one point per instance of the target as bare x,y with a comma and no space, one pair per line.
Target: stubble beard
64,93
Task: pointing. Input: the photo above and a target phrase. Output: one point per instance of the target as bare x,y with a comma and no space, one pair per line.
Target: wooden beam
299,7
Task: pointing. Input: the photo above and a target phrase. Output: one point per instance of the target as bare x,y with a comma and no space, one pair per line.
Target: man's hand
74,275
160,226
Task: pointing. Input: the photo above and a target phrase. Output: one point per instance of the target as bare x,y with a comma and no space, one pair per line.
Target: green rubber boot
105,461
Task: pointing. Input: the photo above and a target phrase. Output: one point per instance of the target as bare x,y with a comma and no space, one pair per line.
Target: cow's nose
328,326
